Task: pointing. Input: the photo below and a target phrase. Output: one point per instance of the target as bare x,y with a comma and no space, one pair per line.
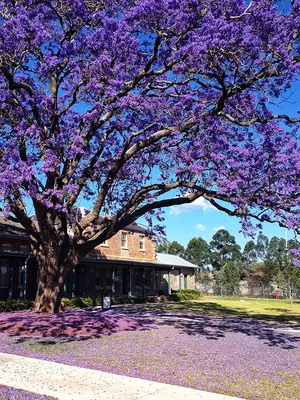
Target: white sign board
106,302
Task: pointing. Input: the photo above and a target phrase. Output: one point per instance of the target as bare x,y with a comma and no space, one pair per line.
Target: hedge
15,304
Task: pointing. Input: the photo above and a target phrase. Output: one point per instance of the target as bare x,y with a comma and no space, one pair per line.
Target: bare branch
230,118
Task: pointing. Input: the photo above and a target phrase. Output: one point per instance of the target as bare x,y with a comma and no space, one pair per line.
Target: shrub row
84,302
139,299
186,294
15,304
81,302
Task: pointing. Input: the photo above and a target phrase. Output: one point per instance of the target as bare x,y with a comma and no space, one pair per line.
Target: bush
84,302
138,299
80,302
15,305
186,294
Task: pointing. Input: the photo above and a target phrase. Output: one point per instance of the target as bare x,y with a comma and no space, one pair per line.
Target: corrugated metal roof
174,261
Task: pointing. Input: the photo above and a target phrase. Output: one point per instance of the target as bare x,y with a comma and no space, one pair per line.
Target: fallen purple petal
234,356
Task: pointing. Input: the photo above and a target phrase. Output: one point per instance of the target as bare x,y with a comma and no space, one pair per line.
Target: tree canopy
136,106
223,249
197,252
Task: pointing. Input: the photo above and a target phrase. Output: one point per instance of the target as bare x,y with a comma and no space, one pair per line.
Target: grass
260,309
267,310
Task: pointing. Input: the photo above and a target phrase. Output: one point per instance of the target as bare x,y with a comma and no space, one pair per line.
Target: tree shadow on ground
205,319
213,309
70,325
215,321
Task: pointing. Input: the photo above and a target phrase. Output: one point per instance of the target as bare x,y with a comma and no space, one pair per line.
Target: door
185,282
125,281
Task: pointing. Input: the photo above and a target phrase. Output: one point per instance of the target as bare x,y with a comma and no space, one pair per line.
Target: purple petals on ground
9,393
69,324
235,356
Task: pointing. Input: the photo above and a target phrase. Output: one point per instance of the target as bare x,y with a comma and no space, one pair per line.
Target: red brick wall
114,251
16,243
189,272
111,251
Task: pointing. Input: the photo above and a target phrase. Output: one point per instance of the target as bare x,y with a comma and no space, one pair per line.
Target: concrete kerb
66,382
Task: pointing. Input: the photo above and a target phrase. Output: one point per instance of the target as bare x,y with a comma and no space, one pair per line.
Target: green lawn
277,310
265,310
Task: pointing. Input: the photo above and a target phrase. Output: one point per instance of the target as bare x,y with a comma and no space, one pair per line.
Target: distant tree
197,252
223,248
205,279
270,269
277,251
262,246
261,274
250,252
162,247
232,275
170,248
292,244
176,249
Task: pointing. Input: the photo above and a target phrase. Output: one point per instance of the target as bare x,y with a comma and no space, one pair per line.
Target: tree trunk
47,297
54,270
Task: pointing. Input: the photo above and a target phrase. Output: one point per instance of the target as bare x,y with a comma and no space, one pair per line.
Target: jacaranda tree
135,105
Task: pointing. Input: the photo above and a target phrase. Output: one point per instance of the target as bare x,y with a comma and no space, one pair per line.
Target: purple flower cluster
98,95
234,356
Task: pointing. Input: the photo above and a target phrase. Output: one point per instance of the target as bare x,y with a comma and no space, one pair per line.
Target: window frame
7,273
24,246
6,244
141,242
124,242
139,278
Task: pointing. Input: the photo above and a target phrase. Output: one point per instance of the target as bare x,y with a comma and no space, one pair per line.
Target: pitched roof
10,228
14,228
174,261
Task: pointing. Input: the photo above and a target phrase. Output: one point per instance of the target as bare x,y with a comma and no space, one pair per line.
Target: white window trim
27,249
6,244
126,242
142,242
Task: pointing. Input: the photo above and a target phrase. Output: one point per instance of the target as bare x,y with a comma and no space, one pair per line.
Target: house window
185,282
148,276
4,273
142,243
162,278
139,275
98,278
104,244
124,240
24,249
6,247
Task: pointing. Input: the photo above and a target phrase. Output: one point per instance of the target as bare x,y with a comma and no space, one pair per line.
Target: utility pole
289,286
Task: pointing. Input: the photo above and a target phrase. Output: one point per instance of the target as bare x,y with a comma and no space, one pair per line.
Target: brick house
125,265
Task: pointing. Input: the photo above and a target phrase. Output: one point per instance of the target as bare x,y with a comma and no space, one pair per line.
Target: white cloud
198,203
219,228
200,227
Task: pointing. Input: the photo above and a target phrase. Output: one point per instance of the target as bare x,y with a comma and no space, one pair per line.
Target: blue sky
201,219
